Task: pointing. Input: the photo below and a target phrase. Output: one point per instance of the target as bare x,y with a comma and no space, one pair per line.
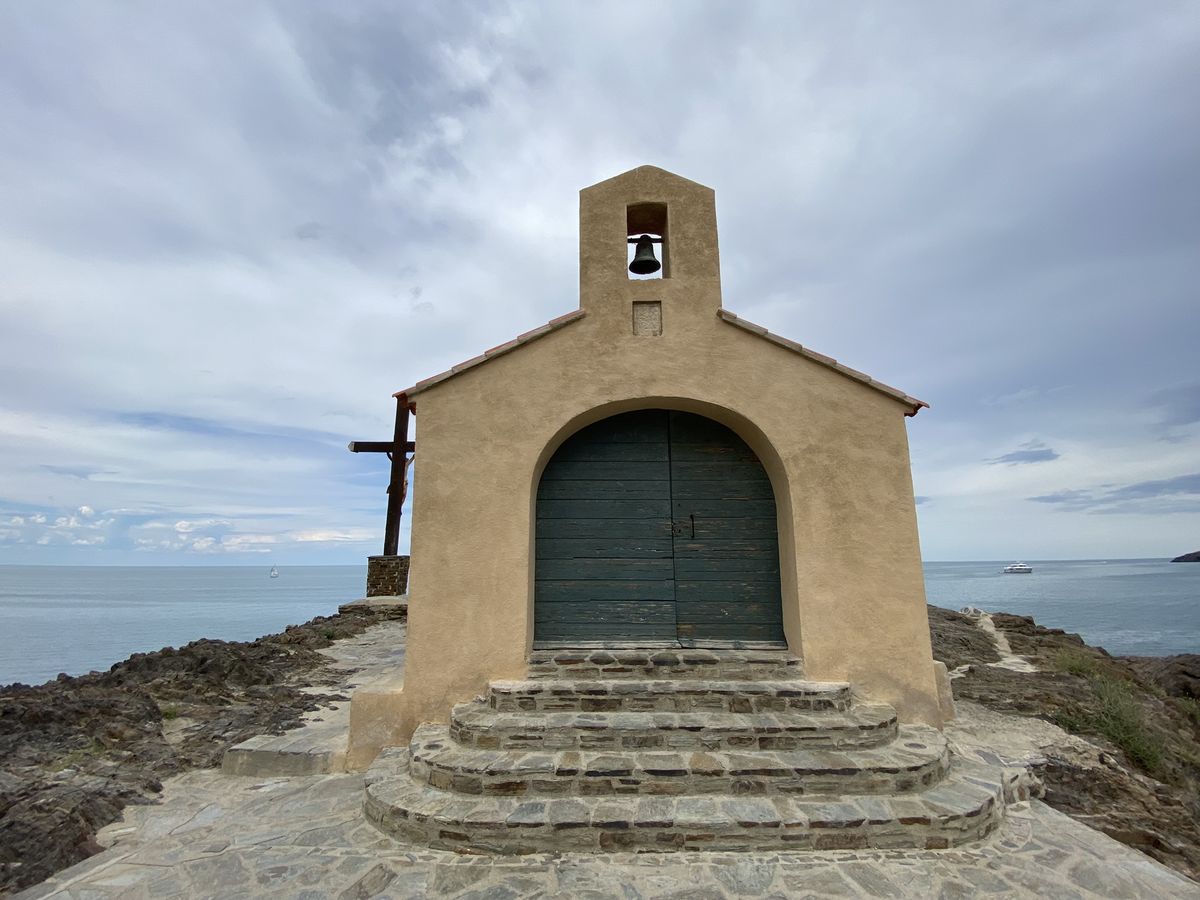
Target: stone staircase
680,750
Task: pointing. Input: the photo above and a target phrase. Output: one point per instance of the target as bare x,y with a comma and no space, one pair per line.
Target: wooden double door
656,527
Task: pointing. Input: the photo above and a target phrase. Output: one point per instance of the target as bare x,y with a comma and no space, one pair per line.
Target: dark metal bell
644,261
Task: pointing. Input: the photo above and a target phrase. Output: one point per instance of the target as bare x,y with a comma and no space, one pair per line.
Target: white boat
274,572
1018,568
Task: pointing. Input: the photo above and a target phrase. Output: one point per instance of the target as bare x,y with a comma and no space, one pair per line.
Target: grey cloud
309,231
1031,452
969,201
83,472
1076,498
1178,407
1165,495
1026,456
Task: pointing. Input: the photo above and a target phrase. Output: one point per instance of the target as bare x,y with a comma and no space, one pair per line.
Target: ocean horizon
75,619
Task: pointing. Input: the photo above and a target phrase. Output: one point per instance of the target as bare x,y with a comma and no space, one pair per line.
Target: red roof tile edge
499,350
913,403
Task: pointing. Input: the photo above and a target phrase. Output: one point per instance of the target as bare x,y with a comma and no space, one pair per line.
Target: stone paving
319,748
306,836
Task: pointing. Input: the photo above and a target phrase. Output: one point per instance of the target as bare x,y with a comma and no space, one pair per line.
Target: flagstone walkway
218,835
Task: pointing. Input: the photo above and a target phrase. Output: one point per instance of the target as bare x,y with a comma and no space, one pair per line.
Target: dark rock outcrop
1179,675
75,751
1188,557
1143,791
957,640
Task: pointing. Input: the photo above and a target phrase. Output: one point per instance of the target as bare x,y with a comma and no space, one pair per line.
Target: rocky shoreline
1135,775
76,751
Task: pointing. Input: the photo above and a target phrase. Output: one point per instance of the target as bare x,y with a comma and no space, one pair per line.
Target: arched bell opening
656,527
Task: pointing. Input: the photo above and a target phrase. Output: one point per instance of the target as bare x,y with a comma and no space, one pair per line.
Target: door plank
655,452
604,509
726,542
603,548
721,489
605,569
599,469
729,591
610,489
600,612
730,508
610,567
616,529
603,551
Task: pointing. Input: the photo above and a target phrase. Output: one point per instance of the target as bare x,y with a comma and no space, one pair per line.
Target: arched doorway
656,527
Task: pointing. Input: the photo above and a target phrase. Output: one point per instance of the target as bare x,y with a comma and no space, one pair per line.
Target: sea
76,619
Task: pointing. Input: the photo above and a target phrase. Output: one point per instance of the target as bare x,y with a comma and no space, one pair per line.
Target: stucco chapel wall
835,449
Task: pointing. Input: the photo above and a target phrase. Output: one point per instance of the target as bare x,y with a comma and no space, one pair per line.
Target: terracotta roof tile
912,402
557,323
498,350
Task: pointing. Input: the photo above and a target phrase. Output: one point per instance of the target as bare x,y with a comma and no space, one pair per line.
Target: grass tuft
1189,706
1118,717
1077,663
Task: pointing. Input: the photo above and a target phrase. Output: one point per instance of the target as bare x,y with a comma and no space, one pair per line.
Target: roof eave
914,405
500,350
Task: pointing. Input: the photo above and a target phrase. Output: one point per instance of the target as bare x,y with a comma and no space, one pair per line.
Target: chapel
661,553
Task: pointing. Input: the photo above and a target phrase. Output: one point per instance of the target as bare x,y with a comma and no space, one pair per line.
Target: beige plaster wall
836,451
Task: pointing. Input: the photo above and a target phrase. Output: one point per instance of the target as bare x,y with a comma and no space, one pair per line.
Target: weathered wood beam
391,529
379,446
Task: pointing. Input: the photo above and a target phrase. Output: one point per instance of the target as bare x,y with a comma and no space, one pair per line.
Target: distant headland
1188,557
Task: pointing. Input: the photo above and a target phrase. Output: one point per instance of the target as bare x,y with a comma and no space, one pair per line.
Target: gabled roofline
637,171
507,347
913,403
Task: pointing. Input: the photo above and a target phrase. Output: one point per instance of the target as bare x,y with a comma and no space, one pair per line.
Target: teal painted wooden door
656,527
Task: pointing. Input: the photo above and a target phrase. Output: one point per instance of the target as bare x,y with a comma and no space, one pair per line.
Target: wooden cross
397,450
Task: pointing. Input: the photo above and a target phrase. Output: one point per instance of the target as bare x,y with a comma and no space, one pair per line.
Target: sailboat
274,572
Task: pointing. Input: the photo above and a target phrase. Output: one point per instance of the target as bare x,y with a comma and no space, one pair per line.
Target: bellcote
680,215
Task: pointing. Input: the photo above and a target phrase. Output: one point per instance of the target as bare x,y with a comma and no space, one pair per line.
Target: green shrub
170,712
79,756
1189,706
1076,662
1118,717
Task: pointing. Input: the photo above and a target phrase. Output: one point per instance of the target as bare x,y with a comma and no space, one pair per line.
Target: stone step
863,725
916,760
313,750
964,807
317,747
709,665
687,695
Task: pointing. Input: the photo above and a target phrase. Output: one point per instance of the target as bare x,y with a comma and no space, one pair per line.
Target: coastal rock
1129,766
1188,557
957,641
1178,675
76,750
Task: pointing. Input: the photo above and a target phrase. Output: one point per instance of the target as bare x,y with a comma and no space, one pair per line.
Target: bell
644,262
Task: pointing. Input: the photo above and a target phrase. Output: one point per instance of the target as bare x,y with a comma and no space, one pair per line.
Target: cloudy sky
228,231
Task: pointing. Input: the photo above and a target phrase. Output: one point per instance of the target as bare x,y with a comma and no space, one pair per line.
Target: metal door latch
679,529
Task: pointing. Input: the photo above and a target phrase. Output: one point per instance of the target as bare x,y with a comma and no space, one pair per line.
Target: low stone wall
387,576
